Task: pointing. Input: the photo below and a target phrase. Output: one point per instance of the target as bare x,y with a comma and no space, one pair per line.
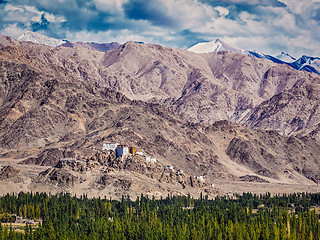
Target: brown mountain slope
45,118
288,112
200,87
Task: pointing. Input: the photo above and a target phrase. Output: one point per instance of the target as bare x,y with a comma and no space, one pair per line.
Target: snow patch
286,57
214,46
40,39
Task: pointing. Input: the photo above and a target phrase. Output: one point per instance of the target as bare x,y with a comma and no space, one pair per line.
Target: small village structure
68,159
169,167
150,159
109,146
20,219
122,150
200,178
132,150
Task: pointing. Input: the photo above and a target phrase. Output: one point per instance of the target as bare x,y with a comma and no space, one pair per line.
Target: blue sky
268,26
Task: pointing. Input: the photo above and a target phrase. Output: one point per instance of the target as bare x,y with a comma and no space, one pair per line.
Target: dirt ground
238,187
28,172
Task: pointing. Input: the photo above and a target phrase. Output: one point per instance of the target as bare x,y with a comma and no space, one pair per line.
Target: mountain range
305,63
223,115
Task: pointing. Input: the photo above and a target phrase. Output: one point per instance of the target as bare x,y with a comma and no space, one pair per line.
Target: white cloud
222,11
278,29
10,7
110,5
264,25
28,13
12,30
285,21
120,36
300,7
189,14
253,2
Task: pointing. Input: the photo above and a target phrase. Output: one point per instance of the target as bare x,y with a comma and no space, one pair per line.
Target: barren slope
295,111
200,87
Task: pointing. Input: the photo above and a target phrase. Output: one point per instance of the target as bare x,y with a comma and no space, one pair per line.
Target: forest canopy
245,216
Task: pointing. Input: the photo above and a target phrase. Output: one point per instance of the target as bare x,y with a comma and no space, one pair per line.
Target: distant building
30,221
109,146
68,159
133,150
169,167
150,159
20,219
200,178
122,150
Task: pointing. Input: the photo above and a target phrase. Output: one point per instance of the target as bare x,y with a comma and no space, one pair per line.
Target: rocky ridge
290,112
8,172
71,174
201,87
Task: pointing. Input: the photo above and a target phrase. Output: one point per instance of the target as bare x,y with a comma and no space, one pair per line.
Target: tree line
247,216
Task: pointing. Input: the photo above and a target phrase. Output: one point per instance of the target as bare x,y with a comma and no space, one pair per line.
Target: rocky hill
66,102
117,176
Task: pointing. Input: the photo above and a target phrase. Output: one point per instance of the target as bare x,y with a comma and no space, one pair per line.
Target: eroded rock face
8,172
136,164
153,170
269,154
50,157
246,153
291,112
71,164
104,158
252,178
107,180
60,177
173,176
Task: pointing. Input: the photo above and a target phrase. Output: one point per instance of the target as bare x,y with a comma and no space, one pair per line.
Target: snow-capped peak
40,39
311,64
286,57
214,46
